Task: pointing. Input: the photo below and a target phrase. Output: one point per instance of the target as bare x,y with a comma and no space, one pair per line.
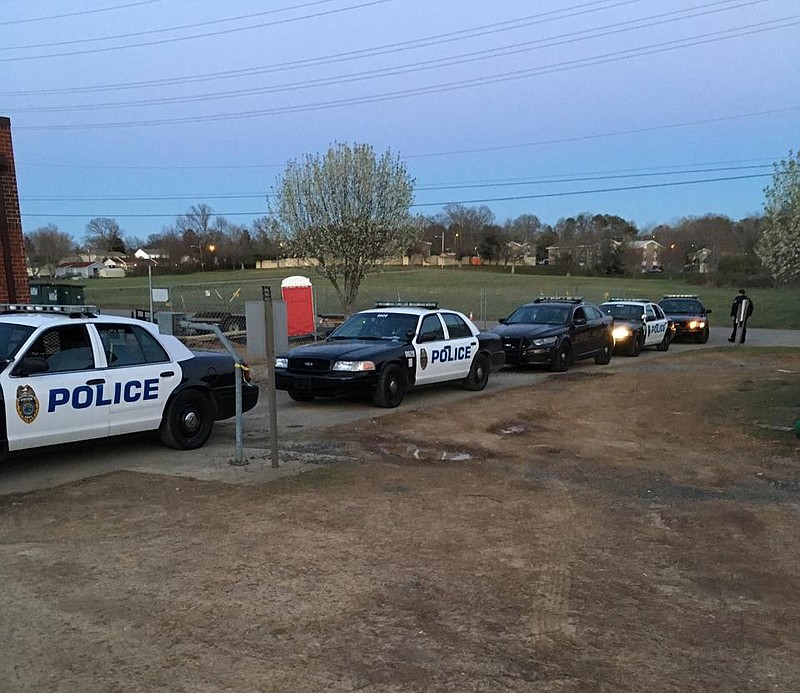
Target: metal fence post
266,293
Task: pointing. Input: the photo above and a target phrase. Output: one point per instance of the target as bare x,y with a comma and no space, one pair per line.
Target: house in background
643,255
79,270
650,254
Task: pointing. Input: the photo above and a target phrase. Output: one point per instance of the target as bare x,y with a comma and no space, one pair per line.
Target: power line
563,39
453,152
549,180
437,39
79,13
617,56
567,193
221,32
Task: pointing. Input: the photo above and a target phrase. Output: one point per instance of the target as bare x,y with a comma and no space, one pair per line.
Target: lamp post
142,255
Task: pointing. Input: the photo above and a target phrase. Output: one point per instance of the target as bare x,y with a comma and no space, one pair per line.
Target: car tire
604,357
663,345
637,345
188,421
391,387
702,338
562,358
478,374
300,396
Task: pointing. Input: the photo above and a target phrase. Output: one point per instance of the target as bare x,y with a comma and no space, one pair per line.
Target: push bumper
326,385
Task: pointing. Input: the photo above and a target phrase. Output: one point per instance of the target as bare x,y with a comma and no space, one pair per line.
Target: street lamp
142,255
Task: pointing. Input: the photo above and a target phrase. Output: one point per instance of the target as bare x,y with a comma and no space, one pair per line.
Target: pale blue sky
484,100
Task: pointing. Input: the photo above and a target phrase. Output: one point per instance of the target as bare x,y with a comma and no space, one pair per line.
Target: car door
598,330
462,345
138,379
581,333
655,326
50,392
430,344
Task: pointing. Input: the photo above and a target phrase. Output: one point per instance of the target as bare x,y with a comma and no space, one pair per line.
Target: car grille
309,365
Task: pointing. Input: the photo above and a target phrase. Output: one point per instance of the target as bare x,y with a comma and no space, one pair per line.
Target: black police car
688,315
387,350
556,331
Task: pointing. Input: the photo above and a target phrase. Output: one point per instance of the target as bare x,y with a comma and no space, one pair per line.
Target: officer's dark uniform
734,312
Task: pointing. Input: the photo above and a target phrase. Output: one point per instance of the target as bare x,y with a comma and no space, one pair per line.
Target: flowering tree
348,211
779,246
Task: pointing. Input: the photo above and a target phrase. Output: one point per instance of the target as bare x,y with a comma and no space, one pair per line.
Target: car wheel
637,344
479,373
562,358
391,387
188,421
702,338
604,357
300,396
663,345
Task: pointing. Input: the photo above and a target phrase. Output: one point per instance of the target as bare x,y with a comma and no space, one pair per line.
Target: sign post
266,293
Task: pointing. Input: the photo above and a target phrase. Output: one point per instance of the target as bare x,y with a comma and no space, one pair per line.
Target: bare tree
103,233
47,246
349,211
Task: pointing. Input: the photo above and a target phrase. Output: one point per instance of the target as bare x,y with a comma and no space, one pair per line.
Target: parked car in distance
688,315
70,373
385,351
556,331
638,324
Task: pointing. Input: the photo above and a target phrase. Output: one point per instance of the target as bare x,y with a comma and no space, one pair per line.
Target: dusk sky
139,109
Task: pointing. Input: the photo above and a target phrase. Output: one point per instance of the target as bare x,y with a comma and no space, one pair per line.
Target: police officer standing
741,309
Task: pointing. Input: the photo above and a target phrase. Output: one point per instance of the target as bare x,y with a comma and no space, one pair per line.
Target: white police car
387,350
638,323
71,374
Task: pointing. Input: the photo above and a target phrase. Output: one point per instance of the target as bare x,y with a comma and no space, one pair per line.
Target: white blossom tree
779,246
347,210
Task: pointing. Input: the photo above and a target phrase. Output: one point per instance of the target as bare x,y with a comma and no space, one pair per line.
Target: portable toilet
297,294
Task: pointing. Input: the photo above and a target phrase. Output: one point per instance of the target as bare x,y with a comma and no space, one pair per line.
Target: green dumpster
52,294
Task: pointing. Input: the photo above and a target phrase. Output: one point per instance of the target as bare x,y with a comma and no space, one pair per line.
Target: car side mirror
31,366
410,335
502,321
426,337
708,311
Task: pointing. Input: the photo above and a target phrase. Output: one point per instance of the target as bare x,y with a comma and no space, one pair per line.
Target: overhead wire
464,58
79,13
565,193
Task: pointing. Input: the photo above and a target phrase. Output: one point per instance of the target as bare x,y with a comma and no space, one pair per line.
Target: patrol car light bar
632,300
430,305
681,296
561,299
35,308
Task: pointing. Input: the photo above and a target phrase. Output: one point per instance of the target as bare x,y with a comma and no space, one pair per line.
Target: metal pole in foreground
150,288
266,293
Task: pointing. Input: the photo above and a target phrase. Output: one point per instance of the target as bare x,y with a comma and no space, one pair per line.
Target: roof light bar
559,299
681,296
619,299
430,305
36,308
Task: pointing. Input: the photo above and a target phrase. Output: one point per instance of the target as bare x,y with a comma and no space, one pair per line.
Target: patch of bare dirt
586,534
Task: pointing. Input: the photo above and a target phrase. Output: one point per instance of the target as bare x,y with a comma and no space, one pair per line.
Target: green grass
464,289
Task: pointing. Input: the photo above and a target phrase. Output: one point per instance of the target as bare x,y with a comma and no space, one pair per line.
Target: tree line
349,209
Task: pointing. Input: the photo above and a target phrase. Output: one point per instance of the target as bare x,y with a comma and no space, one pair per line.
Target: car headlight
545,341
281,362
695,324
354,366
621,332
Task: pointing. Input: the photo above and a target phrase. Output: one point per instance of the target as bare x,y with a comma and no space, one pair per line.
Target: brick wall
13,273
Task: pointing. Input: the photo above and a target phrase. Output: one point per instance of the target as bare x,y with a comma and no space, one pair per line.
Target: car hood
631,324
349,349
528,330
685,317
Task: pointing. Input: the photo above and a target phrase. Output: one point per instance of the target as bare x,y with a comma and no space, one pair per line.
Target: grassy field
486,293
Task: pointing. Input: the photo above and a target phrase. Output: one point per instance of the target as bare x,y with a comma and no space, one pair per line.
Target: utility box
169,322
298,295
52,294
257,329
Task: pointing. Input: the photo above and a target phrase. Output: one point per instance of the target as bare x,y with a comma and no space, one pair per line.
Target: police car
689,316
385,351
71,374
638,324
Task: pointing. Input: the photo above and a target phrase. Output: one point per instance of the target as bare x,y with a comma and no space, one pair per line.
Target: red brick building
13,273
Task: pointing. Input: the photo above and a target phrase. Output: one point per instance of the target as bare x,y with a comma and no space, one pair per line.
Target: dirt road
624,529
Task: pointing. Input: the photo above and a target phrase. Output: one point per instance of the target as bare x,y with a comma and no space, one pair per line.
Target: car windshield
388,326
681,306
539,314
623,311
12,337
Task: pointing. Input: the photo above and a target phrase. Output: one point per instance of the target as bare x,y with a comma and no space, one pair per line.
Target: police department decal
27,404
423,359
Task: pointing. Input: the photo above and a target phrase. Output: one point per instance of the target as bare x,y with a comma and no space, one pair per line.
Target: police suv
387,350
638,323
70,374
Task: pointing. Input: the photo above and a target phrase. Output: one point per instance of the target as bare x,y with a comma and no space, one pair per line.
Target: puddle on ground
415,452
